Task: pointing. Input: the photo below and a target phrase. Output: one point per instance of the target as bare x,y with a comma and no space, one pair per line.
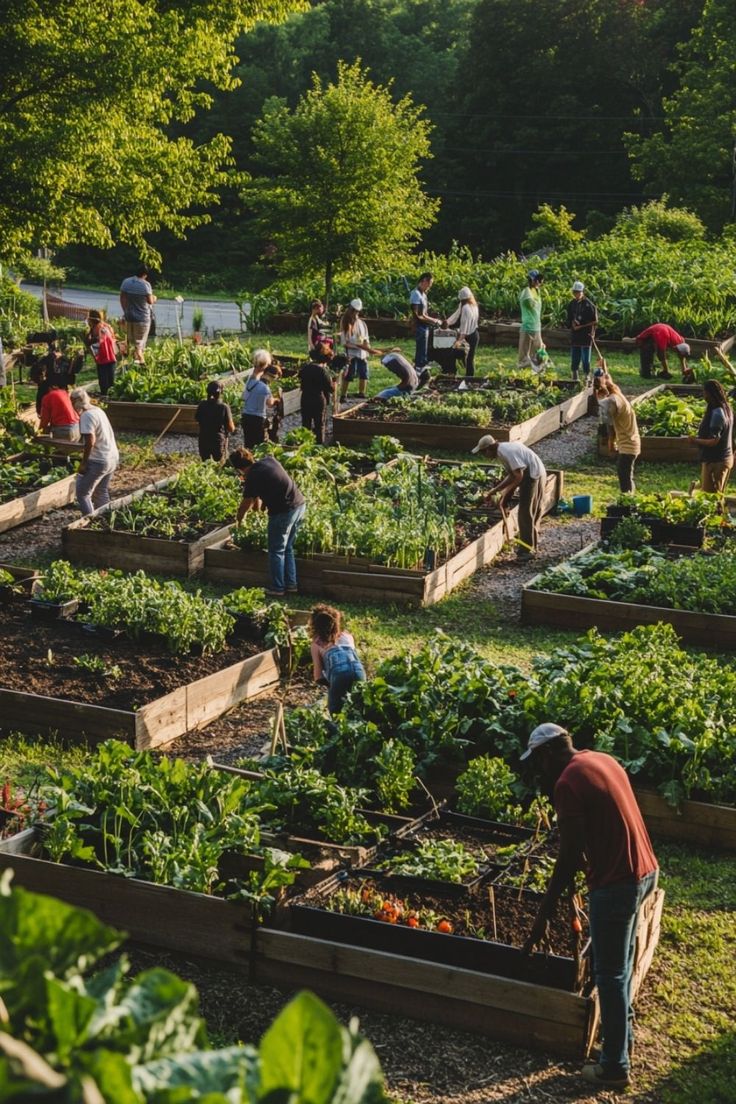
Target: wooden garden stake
492,899
167,427
278,730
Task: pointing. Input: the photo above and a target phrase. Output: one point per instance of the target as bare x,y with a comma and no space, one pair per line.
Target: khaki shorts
714,476
137,337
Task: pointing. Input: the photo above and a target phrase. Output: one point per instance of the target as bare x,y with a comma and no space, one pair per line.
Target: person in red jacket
601,831
57,415
654,341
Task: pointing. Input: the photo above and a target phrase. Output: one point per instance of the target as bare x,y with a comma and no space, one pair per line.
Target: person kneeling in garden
601,831
334,658
268,486
526,471
399,366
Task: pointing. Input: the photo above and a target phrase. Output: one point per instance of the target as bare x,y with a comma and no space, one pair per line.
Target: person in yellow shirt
623,430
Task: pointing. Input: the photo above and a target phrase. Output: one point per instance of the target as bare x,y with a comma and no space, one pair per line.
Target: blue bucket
582,504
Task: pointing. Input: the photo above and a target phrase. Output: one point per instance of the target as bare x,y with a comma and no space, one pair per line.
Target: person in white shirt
100,457
466,319
354,337
526,471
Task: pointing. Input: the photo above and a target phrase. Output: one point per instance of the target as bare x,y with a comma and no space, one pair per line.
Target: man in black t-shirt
268,486
215,421
582,319
317,390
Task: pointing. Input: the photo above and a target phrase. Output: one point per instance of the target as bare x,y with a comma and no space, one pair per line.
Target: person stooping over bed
335,661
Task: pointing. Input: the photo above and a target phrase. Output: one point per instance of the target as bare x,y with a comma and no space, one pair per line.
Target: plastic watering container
582,504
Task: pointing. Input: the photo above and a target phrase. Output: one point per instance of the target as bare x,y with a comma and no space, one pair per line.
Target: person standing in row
582,319
317,388
601,831
526,471
215,421
407,376
714,439
137,299
318,329
355,339
622,430
268,486
100,340
100,456
466,317
654,341
257,401
530,332
334,658
58,416
424,322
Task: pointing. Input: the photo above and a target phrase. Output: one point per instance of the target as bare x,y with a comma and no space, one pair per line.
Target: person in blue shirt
136,300
257,401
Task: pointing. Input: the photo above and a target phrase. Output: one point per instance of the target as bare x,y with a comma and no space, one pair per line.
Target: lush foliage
340,185
669,415
23,477
179,373
70,1034
697,509
443,860
488,789
481,408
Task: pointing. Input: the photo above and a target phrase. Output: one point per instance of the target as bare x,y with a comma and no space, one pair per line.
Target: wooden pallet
353,578
659,450
111,548
353,431
569,611
191,706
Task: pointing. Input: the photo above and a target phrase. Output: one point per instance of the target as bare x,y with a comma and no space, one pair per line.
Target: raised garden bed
113,548
156,697
155,418
571,611
33,503
691,822
660,449
363,421
353,578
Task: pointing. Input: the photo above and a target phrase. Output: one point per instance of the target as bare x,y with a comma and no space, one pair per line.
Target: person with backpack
100,340
335,662
215,421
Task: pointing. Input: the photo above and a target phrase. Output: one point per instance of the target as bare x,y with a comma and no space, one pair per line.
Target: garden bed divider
354,578
112,548
570,611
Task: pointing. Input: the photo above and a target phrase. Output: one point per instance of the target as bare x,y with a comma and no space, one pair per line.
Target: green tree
340,188
692,156
551,227
90,96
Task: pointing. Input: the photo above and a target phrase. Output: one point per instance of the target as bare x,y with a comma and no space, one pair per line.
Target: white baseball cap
356,304
578,286
484,443
542,734
683,348
464,293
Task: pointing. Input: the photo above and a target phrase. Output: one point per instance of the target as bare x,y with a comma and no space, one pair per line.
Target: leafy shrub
486,789
551,228
676,224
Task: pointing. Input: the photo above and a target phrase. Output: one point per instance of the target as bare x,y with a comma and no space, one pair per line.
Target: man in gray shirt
136,299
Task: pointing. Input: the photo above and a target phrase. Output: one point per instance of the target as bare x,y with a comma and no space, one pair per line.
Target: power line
577,116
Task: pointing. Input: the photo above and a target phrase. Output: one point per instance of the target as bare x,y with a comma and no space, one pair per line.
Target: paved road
217,315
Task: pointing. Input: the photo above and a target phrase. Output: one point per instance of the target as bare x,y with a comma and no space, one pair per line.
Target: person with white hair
100,457
655,340
582,319
525,471
257,401
466,319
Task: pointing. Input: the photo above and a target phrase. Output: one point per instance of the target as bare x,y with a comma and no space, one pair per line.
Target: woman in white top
100,457
354,336
466,319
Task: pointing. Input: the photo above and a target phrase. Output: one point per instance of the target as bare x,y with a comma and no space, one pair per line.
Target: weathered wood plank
38,713
692,821
52,497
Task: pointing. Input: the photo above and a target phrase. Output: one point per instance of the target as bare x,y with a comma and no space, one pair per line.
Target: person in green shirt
530,334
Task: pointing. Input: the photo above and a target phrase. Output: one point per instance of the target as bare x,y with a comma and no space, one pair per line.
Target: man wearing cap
530,334
656,340
602,831
582,319
526,471
423,320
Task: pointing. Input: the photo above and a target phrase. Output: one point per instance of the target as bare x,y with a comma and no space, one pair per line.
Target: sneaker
292,590
595,1073
275,593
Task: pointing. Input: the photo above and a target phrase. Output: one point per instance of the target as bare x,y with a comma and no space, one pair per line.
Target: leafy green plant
25,476
668,415
96,665
630,532
488,789
438,860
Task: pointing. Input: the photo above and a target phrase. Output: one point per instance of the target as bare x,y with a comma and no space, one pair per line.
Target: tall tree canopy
340,186
693,156
89,94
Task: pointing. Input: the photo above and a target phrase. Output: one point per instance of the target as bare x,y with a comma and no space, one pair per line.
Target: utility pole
733,180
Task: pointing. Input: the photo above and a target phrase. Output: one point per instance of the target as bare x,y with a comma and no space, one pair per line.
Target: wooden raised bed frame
190,706
140,417
349,430
110,548
691,822
514,1011
54,496
660,450
569,611
352,578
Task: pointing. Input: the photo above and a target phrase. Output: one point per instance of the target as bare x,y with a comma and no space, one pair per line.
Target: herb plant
441,860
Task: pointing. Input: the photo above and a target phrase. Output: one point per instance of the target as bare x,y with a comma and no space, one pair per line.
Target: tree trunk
328,284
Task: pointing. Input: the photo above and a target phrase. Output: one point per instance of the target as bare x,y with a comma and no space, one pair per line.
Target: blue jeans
393,393
340,685
421,354
614,915
282,531
93,487
579,354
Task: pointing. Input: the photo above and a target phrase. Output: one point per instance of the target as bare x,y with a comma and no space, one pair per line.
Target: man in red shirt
601,831
657,339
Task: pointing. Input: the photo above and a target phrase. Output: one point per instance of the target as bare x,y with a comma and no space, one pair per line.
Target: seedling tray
352,427
112,548
351,578
569,611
